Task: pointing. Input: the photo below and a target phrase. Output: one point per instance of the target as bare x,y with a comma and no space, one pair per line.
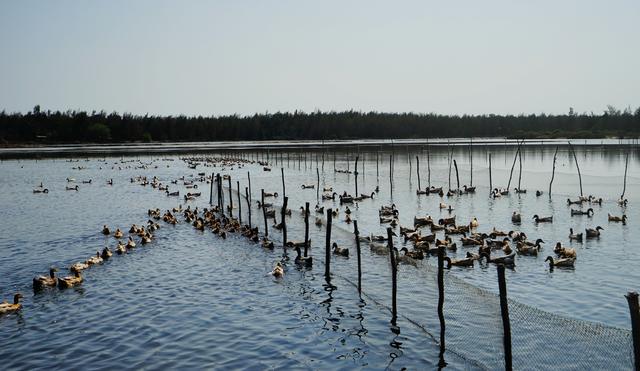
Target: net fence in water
474,329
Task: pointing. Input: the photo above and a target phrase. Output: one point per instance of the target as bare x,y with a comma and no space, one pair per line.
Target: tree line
38,126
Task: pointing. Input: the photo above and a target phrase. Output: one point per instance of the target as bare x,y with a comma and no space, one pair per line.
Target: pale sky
226,57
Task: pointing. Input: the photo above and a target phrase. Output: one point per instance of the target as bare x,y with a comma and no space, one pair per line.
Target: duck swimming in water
516,218
563,262
614,218
593,232
546,219
70,281
118,233
41,282
6,308
342,251
575,236
278,270
305,261
105,230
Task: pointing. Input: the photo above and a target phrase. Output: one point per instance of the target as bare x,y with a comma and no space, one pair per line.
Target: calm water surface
192,299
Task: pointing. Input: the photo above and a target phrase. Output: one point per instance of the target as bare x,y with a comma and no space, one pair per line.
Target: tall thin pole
327,256
553,171
577,167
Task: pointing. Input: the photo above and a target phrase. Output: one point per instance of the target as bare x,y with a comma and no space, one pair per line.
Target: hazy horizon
223,58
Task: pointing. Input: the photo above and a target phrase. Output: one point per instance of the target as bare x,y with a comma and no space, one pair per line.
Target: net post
327,261
441,254
357,234
632,299
394,276
506,325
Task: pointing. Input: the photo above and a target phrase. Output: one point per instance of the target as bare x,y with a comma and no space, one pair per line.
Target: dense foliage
72,126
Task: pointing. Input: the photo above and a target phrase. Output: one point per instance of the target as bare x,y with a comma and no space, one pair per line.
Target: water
192,299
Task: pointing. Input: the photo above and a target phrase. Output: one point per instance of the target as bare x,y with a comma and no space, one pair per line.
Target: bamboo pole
283,213
520,172
327,256
284,194
471,161
211,191
239,203
577,167
429,166
246,191
355,172
455,164
306,229
418,171
394,277
357,234
318,185
506,325
624,187
634,311
553,171
230,197
490,182
513,166
441,254
264,215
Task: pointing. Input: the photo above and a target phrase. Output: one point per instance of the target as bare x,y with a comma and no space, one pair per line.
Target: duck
466,262
106,253
576,202
76,188
562,262
118,233
46,190
539,193
121,248
422,221
327,189
467,241
41,282
574,236
615,218
95,259
417,255
469,189
565,252
505,259
593,232
474,223
271,194
404,259
589,212
70,281
327,196
518,190
379,248
278,270
305,261
342,251
517,235
308,186
319,210
6,308
546,219
516,218
146,239
318,221
105,230
266,243
526,248
77,267
497,233
623,201
264,205
442,205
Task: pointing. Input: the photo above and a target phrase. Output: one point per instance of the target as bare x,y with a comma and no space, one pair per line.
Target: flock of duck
467,234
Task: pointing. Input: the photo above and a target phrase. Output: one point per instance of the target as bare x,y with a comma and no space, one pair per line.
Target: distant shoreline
139,148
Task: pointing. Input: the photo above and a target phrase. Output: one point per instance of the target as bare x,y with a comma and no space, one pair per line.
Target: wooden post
239,203
634,311
490,182
357,233
284,194
450,158
506,325
520,172
317,185
441,254
418,170
323,151
455,164
626,165
355,172
230,197
513,166
378,163
249,179
211,192
306,229
283,212
264,215
577,167
553,171
391,173
471,161
428,167
246,191
327,256
394,276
